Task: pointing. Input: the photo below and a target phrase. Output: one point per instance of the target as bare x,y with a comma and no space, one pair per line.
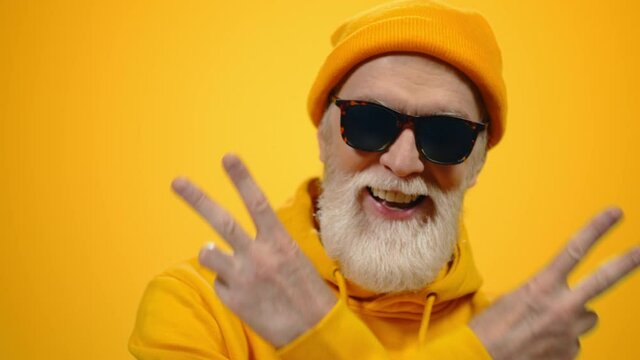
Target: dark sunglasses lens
445,139
368,127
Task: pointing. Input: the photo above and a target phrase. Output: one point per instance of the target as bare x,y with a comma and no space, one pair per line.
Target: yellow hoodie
180,316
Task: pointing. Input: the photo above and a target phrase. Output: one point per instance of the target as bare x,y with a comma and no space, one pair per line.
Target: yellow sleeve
174,322
342,335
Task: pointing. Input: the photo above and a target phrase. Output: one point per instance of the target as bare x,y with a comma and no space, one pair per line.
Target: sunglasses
441,139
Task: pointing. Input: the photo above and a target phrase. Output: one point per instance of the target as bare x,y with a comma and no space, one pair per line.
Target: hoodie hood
459,278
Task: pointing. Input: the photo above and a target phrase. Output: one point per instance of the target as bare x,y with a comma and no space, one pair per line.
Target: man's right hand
544,318
267,281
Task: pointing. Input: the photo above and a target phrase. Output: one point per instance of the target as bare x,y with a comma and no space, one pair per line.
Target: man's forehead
424,108
413,84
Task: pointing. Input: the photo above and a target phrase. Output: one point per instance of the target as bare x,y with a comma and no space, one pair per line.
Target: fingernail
229,160
636,252
204,250
616,211
179,183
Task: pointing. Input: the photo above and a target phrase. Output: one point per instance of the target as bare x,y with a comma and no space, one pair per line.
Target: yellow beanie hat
460,38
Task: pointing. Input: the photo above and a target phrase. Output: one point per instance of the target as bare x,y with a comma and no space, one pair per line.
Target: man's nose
402,158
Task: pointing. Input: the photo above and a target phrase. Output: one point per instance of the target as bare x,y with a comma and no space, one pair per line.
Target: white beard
386,255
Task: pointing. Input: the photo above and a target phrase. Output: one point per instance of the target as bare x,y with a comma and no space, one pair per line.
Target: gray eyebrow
451,113
455,113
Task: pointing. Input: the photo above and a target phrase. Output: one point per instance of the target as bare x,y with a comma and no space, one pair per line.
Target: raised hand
544,318
266,281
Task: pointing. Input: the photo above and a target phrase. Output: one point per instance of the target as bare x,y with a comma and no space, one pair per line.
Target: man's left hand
544,318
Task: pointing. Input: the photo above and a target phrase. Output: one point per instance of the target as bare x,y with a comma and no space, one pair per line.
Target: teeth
393,196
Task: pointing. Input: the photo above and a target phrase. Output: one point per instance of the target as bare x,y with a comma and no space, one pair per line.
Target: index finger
254,199
582,242
606,276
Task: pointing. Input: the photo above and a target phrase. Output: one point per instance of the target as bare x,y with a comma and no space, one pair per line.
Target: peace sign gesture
544,318
266,281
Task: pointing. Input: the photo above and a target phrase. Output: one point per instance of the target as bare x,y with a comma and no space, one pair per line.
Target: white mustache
383,180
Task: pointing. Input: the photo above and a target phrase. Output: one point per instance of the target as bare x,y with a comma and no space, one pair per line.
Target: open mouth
395,199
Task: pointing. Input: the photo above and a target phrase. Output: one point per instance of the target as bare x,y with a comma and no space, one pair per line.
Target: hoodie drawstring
426,316
342,285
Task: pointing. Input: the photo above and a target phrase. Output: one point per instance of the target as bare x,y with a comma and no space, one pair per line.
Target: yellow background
102,103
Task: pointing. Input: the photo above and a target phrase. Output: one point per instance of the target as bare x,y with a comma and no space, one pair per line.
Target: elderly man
374,262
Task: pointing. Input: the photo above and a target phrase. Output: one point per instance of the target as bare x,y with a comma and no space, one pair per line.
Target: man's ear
478,169
474,179
321,135
471,182
320,144
479,159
